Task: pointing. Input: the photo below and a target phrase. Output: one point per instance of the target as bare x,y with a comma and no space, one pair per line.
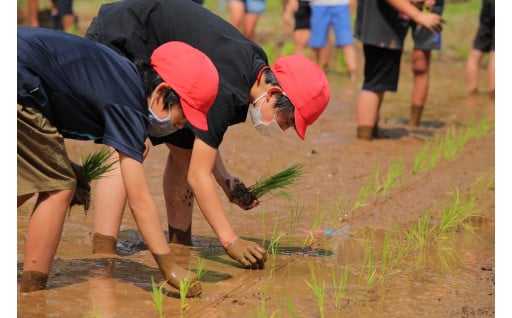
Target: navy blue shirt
134,28
86,90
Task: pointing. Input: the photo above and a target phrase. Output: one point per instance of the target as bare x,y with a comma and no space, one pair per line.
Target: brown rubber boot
33,281
416,112
174,274
180,237
366,132
104,244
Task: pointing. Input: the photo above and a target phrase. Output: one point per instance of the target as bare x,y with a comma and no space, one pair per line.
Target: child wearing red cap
73,88
291,93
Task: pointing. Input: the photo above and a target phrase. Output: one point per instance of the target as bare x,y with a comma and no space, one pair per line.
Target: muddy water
322,235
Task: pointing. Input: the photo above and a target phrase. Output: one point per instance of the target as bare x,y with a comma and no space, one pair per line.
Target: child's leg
43,235
420,69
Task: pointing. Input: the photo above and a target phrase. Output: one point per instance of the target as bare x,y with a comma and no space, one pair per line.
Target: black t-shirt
379,24
86,90
135,28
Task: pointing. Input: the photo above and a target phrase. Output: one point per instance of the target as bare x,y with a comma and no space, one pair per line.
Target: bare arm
430,21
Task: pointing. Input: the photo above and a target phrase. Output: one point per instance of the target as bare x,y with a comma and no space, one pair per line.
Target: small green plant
365,191
185,286
274,242
393,177
421,159
317,221
291,308
95,312
158,297
318,290
340,286
201,267
273,185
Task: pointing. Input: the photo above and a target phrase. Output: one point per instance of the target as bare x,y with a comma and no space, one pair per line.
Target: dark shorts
302,16
484,39
42,161
422,37
65,7
381,68
183,138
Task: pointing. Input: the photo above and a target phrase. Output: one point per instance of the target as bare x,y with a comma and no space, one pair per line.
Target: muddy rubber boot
174,273
416,112
104,244
33,281
180,237
366,132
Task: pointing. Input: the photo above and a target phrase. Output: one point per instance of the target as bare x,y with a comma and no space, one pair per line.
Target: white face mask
159,127
269,129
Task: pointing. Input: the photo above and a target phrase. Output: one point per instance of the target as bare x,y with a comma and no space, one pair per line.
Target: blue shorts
253,6
324,17
381,68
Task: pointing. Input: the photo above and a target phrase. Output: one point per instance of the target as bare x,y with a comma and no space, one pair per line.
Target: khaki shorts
43,163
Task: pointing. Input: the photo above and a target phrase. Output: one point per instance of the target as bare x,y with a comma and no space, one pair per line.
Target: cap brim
300,125
194,116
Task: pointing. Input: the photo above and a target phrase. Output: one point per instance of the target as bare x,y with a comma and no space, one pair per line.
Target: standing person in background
424,42
381,27
483,43
66,16
335,14
301,12
292,93
246,12
69,87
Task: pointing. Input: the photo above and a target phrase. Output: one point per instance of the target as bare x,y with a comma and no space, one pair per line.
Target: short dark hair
151,80
283,103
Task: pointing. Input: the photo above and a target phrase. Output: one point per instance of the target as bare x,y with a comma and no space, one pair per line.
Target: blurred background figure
483,43
62,15
300,23
247,12
424,42
335,15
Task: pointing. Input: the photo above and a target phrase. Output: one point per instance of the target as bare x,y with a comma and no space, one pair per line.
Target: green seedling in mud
295,213
158,297
291,308
273,185
201,267
366,190
274,242
421,158
318,290
369,270
340,285
308,240
185,286
95,312
393,177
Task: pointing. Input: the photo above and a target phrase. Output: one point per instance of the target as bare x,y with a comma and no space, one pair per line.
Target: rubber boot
365,132
416,112
104,244
33,281
174,273
180,237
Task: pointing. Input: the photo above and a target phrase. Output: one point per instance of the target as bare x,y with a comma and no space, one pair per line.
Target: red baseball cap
306,85
192,75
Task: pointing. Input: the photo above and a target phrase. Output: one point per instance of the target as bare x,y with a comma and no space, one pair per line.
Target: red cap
306,85
191,74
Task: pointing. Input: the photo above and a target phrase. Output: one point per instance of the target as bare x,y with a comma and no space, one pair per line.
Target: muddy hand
250,254
82,194
240,195
174,274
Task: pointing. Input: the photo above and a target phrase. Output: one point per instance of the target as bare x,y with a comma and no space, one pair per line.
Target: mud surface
324,234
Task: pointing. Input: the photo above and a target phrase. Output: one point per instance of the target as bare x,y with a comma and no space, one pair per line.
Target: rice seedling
274,242
393,177
371,277
273,185
291,308
318,290
158,297
452,145
340,285
201,267
317,221
421,158
436,150
365,191
185,286
295,213
93,167
95,312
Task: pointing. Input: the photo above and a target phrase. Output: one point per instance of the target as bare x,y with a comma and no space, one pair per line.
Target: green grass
158,297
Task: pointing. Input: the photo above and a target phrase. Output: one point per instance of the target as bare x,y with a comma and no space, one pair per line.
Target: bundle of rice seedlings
273,185
94,166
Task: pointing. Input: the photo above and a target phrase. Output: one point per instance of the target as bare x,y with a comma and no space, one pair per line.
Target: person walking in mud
290,94
424,43
381,25
69,87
